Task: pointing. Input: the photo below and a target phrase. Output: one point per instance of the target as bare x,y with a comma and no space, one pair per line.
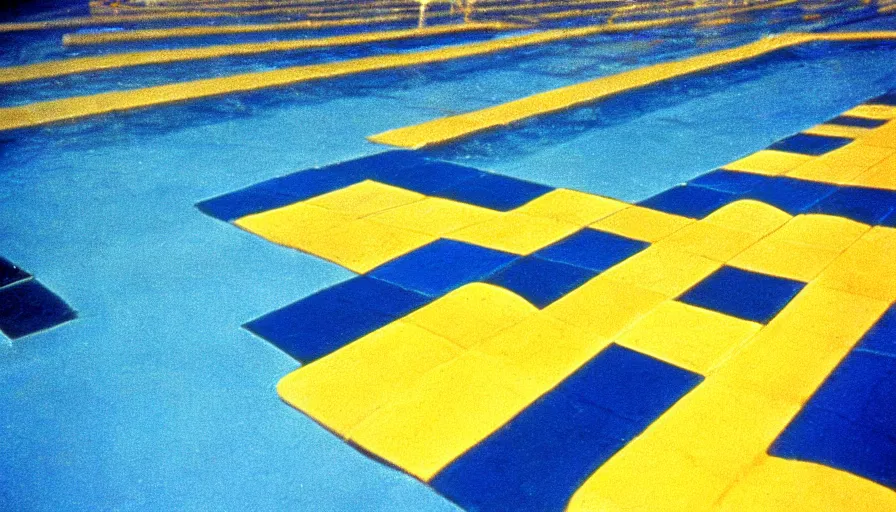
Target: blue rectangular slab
9,273
791,195
495,192
428,177
592,249
28,307
807,144
866,205
688,201
542,456
539,281
881,338
733,182
888,99
858,122
748,295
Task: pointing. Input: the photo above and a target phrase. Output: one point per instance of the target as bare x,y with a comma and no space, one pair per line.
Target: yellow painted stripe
81,106
195,31
454,127
121,60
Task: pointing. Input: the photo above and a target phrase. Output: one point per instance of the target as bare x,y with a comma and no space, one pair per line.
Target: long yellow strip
194,31
454,127
122,60
81,106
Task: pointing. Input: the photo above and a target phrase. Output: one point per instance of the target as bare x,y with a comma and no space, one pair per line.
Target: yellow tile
784,259
444,414
775,484
294,225
515,233
365,198
642,223
665,271
472,313
688,336
842,165
710,241
883,136
343,388
362,245
571,206
872,112
823,231
836,130
748,215
867,267
434,216
769,162
880,175
603,306
543,350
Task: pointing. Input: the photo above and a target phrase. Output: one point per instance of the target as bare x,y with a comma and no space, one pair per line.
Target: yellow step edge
455,127
51,111
121,60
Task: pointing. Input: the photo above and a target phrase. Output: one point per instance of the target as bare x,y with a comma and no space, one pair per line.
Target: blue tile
747,295
791,195
733,182
889,220
542,456
495,191
687,201
328,320
884,99
539,281
9,273
441,266
807,144
428,178
243,202
821,436
867,205
858,122
881,338
366,167
28,307
310,183
592,249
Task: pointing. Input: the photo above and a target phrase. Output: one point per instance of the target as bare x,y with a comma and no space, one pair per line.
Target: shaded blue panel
807,144
747,295
542,456
867,205
889,220
881,338
592,249
733,182
850,422
693,202
368,166
495,191
789,194
428,178
328,320
28,307
9,273
884,99
539,281
441,266
858,122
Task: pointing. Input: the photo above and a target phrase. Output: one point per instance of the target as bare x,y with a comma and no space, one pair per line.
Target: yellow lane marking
81,106
449,128
121,60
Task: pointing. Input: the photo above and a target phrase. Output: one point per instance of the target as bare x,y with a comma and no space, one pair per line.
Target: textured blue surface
540,458
539,281
791,195
807,144
495,191
732,182
28,307
441,266
882,337
9,273
747,295
867,205
592,249
688,201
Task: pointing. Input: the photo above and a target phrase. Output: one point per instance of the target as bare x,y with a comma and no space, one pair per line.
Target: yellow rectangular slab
472,313
688,336
604,307
666,271
365,198
883,136
444,414
294,225
543,350
750,216
872,112
868,267
515,233
434,216
769,162
343,388
836,130
823,231
784,259
571,206
642,223
710,241
842,165
880,175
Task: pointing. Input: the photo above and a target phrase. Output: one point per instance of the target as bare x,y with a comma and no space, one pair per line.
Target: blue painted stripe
858,122
541,457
